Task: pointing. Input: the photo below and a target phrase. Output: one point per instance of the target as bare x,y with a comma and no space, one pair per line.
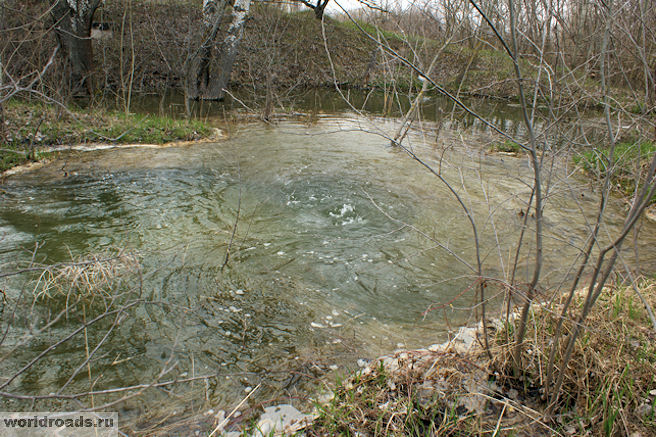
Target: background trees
202,83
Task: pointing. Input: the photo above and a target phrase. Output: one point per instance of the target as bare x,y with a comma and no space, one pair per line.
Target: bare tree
199,80
319,7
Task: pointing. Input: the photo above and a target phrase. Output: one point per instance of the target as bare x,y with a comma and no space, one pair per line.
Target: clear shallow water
324,266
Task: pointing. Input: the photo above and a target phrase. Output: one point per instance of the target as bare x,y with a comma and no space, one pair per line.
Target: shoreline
216,136
453,388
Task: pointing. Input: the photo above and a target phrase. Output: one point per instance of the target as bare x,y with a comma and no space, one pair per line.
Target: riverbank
455,389
282,52
37,131
631,160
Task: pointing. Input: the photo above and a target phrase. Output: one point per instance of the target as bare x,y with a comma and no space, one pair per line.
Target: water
327,101
325,264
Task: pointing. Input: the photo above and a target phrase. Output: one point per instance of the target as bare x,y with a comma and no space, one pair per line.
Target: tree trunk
370,67
199,73
229,49
319,9
73,20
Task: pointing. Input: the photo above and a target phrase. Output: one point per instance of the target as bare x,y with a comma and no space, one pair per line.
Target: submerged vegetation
97,278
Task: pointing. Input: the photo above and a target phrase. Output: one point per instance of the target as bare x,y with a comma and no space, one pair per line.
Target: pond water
326,265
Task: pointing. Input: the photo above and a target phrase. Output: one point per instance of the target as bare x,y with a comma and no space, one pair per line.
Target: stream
338,244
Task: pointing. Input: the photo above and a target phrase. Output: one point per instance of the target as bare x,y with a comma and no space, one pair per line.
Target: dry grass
608,390
406,401
426,393
607,383
94,278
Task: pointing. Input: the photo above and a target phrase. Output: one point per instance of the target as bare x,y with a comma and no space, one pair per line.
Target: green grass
149,129
36,127
506,147
631,159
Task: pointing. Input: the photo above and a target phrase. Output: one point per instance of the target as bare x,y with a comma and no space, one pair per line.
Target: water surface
326,262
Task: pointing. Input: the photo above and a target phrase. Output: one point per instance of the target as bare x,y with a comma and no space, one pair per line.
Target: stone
218,134
466,336
437,347
362,362
281,419
325,398
644,410
650,213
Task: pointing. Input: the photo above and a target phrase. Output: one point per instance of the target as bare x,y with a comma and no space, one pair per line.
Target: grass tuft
95,278
505,147
607,384
426,393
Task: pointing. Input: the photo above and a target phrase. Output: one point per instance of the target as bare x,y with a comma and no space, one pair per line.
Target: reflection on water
325,265
328,101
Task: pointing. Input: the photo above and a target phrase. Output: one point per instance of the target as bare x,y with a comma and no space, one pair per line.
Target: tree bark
318,9
231,45
73,20
214,86
202,85
199,76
